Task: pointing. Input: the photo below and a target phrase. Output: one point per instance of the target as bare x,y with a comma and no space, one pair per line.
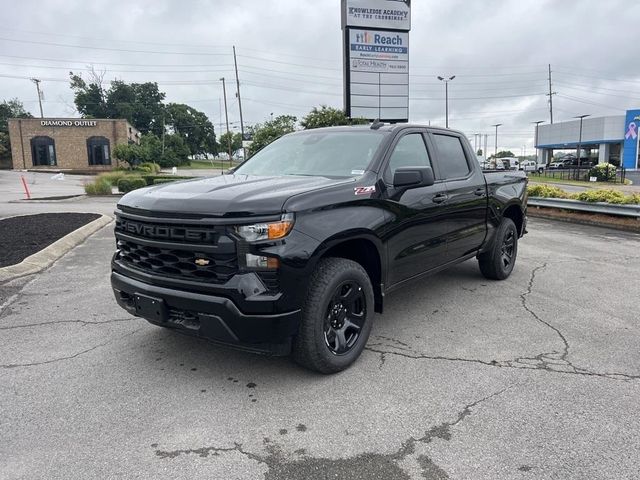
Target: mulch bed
23,236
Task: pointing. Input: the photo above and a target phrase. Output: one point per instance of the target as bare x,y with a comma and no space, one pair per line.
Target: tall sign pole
375,37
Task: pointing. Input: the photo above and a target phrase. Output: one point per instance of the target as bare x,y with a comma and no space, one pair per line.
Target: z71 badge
364,190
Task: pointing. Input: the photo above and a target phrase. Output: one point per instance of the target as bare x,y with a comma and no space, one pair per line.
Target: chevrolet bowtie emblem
202,262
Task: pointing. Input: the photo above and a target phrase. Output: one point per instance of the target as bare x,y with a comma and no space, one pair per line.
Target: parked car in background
510,163
531,166
559,164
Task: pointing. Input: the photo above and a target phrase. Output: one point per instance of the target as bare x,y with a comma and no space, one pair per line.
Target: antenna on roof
376,124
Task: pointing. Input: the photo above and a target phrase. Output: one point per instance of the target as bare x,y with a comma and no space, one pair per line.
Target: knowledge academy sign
376,54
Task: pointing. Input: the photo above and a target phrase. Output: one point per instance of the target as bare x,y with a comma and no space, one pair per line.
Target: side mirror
413,177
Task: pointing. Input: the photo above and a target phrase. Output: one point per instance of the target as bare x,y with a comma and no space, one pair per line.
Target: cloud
290,56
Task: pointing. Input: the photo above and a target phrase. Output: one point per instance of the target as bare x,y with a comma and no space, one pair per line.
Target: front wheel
498,262
336,318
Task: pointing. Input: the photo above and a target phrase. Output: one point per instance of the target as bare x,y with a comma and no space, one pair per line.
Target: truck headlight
267,231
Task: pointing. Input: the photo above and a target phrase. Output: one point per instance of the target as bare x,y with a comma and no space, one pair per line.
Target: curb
47,256
583,218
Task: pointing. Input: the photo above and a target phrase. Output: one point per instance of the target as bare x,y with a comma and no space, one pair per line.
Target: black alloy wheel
498,261
507,249
345,317
337,316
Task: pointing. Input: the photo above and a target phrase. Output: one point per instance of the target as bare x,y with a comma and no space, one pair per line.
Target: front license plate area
150,307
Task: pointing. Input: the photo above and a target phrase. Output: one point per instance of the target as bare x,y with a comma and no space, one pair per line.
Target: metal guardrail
590,207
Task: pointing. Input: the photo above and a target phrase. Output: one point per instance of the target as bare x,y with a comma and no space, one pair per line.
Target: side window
452,161
410,151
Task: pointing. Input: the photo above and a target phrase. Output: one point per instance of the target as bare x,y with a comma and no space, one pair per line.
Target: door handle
480,192
440,198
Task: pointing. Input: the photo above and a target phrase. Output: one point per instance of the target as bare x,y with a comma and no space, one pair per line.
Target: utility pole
495,155
226,116
486,136
37,82
550,95
235,62
446,97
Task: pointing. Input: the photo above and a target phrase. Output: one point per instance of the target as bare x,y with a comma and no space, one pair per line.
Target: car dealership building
615,138
67,144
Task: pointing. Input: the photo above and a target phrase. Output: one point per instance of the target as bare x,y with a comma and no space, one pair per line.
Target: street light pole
226,116
495,155
535,139
446,97
581,117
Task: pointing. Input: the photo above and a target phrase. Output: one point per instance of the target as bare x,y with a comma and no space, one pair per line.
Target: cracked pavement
463,378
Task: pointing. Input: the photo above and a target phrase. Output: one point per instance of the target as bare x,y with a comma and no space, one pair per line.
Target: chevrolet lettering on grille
165,232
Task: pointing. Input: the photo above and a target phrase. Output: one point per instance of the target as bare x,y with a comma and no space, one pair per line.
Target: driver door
417,236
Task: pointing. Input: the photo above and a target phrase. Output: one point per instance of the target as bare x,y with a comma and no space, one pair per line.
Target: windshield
326,154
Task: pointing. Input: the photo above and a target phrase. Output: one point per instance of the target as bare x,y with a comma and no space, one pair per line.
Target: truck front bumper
212,317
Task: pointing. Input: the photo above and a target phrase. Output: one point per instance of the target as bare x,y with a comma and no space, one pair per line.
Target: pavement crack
523,300
206,451
443,430
81,322
383,358
517,364
69,357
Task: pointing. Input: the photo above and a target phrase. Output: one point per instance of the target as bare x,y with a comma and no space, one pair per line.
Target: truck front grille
199,253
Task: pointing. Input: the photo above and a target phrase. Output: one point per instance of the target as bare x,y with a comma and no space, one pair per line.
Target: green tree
176,152
9,109
479,152
329,117
139,103
236,142
267,132
132,154
192,125
503,154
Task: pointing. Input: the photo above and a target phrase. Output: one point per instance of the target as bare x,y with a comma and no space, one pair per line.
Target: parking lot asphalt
463,378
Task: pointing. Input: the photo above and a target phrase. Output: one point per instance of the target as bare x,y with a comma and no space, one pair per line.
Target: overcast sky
290,56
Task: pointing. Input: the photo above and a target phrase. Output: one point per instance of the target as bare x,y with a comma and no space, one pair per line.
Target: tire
499,261
319,345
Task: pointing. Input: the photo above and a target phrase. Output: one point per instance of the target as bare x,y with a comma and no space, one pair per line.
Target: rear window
452,160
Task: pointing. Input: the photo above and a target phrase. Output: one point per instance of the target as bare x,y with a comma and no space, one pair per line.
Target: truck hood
226,195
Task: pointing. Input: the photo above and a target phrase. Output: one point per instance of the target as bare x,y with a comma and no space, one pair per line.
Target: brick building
67,143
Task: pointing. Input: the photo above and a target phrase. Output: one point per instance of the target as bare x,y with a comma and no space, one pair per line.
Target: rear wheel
498,262
336,317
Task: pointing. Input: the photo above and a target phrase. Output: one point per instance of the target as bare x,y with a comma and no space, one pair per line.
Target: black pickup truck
296,249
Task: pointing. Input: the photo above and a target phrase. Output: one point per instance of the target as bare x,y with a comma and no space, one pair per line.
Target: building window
43,151
98,151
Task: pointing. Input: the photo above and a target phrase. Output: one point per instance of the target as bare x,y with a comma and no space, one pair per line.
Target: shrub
151,166
159,181
113,176
608,196
130,183
151,179
604,172
98,187
546,191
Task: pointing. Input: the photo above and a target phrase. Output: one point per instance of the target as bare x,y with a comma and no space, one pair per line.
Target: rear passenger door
466,205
